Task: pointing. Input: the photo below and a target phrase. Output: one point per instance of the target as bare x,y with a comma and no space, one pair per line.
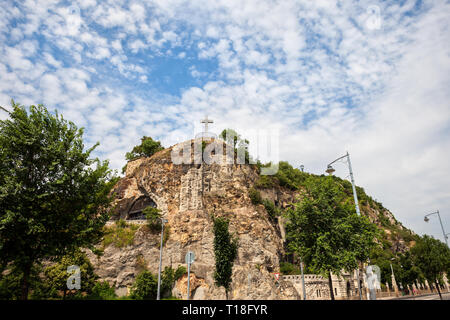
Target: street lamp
426,219
392,259
394,282
163,221
303,279
330,170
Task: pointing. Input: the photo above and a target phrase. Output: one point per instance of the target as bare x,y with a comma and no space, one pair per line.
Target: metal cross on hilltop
206,121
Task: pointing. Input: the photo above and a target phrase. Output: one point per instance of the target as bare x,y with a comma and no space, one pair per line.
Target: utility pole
303,279
189,260
158,296
330,171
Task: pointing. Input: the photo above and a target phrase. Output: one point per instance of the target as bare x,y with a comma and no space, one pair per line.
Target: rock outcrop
187,195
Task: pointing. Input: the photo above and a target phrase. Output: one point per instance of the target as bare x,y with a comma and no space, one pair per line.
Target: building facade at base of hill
317,287
345,287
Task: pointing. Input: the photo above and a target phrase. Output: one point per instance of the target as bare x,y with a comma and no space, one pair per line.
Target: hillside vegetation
394,241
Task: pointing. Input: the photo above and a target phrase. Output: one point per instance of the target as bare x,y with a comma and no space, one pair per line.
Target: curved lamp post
330,170
426,219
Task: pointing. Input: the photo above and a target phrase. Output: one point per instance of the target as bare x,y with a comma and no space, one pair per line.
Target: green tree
53,196
382,258
432,257
231,137
240,145
153,216
408,273
325,230
225,251
56,275
147,148
145,286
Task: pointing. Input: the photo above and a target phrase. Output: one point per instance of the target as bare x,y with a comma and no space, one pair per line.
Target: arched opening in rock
139,205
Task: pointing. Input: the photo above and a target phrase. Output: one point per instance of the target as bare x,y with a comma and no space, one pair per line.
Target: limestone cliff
187,195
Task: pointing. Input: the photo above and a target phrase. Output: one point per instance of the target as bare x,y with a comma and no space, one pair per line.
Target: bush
265,181
10,285
102,291
145,287
168,278
146,284
289,176
384,220
120,235
55,278
271,209
181,270
167,281
288,268
255,196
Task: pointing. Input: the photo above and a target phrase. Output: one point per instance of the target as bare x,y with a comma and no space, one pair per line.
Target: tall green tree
324,229
225,251
432,257
408,272
53,196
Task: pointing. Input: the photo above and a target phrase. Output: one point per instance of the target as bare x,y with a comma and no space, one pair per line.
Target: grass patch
121,234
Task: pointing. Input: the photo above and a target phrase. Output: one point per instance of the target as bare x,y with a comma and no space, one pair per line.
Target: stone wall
317,287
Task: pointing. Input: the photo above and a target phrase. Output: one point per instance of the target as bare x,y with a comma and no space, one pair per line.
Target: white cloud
311,68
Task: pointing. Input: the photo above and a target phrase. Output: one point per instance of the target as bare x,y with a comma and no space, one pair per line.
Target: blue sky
370,77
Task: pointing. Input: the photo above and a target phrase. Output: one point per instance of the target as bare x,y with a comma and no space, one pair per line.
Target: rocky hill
187,195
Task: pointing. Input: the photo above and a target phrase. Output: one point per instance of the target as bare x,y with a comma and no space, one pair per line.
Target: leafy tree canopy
325,230
53,196
147,148
145,287
153,216
432,257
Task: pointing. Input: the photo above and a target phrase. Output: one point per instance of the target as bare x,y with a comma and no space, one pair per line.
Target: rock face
188,194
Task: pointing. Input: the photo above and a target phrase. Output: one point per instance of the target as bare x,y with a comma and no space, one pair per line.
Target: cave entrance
139,205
